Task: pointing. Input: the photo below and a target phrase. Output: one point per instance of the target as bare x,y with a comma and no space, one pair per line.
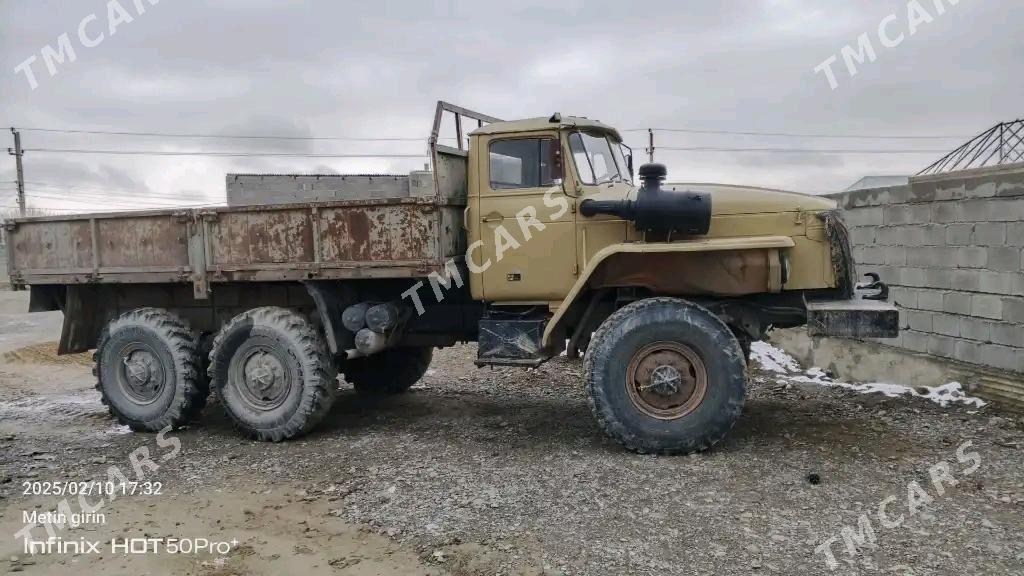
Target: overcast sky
366,69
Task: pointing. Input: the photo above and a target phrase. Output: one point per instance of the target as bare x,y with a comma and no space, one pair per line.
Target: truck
531,238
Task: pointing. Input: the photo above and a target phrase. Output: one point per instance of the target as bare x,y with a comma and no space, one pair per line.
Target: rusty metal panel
723,273
451,175
343,235
142,242
452,236
261,237
401,232
374,238
65,245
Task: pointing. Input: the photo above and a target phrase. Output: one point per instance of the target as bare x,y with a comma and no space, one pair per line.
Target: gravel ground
503,471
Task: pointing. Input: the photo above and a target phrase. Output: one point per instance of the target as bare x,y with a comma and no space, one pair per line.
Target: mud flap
510,342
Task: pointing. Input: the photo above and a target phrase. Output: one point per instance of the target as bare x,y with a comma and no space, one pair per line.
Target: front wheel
665,376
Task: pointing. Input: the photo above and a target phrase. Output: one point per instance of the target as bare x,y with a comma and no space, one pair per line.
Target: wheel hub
666,380
143,376
265,382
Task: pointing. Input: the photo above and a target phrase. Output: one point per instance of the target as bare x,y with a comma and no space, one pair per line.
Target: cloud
366,69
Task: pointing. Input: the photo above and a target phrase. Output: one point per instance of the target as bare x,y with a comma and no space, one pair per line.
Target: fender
703,245
331,298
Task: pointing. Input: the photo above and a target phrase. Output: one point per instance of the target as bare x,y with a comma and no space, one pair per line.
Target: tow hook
875,284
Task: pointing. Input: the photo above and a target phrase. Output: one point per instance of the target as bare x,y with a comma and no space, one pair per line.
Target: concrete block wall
261,189
3,263
952,249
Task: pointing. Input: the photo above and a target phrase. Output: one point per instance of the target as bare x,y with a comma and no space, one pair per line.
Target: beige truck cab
533,238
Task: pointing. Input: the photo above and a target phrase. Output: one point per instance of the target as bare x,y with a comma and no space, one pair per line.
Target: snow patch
773,359
776,360
116,430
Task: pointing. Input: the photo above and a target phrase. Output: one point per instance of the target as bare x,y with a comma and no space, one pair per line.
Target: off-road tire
392,371
646,323
167,341
204,344
745,343
300,352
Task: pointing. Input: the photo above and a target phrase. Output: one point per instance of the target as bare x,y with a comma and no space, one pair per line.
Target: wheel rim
666,380
261,377
141,374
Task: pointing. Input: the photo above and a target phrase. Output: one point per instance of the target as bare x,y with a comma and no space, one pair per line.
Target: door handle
493,217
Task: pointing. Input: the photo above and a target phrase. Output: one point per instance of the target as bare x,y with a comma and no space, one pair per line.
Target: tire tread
190,397
600,347
319,384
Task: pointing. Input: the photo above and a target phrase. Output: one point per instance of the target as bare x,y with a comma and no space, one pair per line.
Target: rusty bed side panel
246,239
390,238
56,246
142,243
324,236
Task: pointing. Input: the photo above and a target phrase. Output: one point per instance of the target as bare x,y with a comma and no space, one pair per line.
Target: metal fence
1000,144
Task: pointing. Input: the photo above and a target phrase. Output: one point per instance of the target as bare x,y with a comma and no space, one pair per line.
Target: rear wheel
665,376
392,371
147,370
273,373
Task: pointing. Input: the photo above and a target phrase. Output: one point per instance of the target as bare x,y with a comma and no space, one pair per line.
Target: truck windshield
595,161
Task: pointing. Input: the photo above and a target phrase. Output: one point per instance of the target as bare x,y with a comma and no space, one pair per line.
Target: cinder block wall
952,249
262,189
3,263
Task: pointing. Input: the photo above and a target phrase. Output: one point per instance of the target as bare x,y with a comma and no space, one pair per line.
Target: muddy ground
480,471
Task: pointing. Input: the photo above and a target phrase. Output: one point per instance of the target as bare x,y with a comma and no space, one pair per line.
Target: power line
796,150
127,209
295,155
423,139
229,136
216,153
237,136
109,191
85,198
798,135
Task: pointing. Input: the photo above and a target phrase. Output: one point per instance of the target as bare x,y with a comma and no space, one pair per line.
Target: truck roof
542,123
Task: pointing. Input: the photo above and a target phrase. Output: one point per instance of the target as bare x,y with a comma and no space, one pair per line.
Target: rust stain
373,232
359,235
731,273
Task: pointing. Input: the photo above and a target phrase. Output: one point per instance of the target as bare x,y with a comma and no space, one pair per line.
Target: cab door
527,247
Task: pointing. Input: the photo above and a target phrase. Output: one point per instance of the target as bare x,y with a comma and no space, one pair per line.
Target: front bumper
854,318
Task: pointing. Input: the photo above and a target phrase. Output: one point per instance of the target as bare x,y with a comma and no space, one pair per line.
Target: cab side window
521,163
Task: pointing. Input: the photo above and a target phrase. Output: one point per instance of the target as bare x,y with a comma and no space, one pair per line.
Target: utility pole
650,145
17,153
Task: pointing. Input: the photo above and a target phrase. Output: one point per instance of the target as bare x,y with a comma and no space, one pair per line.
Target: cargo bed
359,237
400,237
